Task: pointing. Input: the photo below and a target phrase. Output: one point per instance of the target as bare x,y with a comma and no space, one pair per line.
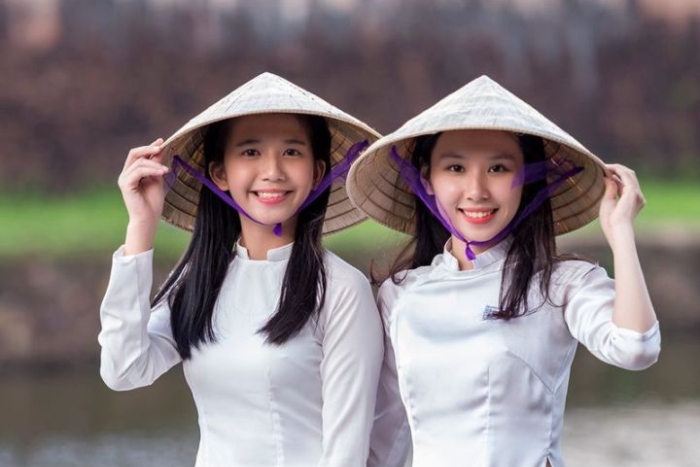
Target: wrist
139,237
622,237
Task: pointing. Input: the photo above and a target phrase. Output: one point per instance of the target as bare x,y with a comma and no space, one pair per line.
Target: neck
258,239
458,250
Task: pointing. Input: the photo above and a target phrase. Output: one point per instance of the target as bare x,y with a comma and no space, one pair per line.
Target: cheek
445,190
512,195
306,173
240,176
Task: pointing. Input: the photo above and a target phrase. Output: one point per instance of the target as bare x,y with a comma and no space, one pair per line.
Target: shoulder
349,295
394,287
404,280
346,285
570,276
341,273
575,269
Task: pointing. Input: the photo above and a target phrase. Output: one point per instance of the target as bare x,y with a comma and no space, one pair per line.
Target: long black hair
193,286
532,251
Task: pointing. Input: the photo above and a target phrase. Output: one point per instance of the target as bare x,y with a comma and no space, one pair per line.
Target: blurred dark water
72,419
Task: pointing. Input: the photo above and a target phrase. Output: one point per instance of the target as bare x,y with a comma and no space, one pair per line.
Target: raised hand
142,186
621,203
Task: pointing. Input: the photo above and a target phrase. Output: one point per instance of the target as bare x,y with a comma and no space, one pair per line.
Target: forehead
268,125
478,143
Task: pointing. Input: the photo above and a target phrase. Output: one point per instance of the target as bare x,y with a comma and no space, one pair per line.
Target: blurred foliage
120,73
94,222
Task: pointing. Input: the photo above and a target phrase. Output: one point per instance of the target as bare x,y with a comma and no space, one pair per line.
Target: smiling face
471,175
269,169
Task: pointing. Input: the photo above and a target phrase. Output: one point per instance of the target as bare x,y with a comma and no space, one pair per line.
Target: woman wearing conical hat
481,314
280,340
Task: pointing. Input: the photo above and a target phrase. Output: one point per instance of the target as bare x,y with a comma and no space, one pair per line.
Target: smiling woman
279,339
482,311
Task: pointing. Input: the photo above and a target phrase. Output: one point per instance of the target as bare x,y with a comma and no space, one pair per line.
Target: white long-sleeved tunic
468,389
308,402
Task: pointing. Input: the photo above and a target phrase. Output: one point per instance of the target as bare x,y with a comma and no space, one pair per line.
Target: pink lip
274,197
478,220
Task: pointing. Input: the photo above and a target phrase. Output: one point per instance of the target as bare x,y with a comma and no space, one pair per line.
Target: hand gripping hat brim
377,189
266,93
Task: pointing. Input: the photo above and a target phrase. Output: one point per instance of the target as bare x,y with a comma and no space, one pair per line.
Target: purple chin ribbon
560,170
339,171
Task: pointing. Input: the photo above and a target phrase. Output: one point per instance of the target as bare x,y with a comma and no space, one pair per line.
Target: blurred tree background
83,81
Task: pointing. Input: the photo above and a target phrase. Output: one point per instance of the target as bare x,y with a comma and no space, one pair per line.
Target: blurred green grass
93,222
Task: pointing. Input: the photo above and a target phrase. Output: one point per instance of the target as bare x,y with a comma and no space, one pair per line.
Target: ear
218,175
319,171
425,181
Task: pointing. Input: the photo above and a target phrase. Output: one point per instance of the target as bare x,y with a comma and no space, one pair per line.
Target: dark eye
455,168
250,152
292,152
498,168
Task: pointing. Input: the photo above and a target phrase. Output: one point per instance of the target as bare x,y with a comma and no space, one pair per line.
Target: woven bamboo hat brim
377,189
266,93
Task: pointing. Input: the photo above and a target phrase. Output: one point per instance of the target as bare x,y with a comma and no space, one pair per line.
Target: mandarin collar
282,253
494,254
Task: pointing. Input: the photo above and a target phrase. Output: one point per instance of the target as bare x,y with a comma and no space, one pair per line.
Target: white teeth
269,195
477,215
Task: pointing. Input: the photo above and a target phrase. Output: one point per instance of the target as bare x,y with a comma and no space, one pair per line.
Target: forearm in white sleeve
589,313
137,344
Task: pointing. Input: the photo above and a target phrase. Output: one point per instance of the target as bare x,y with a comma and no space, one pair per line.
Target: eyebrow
251,141
295,141
494,157
503,155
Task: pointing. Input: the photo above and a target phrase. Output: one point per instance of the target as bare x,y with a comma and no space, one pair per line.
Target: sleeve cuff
119,255
636,335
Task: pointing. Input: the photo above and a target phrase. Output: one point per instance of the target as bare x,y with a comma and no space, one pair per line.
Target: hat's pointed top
483,104
267,79
268,93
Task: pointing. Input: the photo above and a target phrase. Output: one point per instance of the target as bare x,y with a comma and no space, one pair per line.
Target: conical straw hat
377,189
266,93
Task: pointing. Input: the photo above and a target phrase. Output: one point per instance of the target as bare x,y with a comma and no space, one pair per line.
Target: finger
145,163
134,179
611,188
159,154
131,175
627,175
143,152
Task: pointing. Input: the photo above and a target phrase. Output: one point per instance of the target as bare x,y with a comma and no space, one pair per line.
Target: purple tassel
340,171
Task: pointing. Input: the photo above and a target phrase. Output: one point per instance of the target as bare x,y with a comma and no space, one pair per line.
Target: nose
477,187
273,169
